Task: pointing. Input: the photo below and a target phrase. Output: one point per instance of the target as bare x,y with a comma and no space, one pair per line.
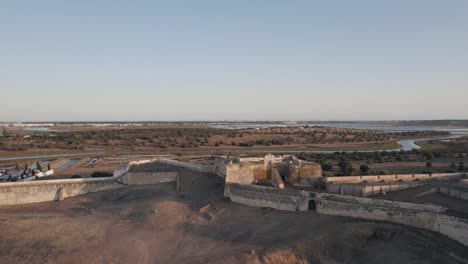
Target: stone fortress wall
14,193
263,196
392,178
459,191
144,178
239,188
369,189
253,170
429,217
125,175
464,182
364,186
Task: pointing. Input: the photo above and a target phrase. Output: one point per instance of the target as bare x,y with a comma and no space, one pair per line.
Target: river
405,144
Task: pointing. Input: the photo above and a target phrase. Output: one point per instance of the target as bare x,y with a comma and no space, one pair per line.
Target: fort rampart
143,178
364,186
459,191
261,196
417,215
364,190
14,193
429,217
393,177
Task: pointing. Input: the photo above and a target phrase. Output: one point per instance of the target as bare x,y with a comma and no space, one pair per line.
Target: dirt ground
155,224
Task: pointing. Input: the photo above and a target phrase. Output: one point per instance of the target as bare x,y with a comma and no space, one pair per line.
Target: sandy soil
154,224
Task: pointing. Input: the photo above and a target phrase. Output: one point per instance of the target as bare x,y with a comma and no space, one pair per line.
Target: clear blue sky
249,60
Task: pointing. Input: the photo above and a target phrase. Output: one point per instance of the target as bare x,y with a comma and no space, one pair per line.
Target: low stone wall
260,196
429,217
142,178
422,216
455,191
345,189
378,203
464,182
121,169
125,168
458,191
15,193
189,166
392,178
364,190
374,189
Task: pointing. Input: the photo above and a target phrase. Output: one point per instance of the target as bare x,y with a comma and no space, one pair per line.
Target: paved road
52,156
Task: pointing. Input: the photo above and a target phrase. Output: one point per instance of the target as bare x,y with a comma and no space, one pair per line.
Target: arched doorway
312,205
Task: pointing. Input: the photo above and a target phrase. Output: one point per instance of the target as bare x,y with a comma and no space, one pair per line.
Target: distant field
459,144
174,138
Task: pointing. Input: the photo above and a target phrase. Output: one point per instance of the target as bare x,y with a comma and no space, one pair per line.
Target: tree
429,164
364,168
345,166
326,166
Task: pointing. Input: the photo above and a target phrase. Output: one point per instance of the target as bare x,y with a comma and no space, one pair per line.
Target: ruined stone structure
269,168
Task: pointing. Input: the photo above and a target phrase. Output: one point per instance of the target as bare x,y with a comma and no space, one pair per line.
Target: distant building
277,169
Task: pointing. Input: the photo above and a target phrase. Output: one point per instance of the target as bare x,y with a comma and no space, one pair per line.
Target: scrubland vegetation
192,137
452,158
